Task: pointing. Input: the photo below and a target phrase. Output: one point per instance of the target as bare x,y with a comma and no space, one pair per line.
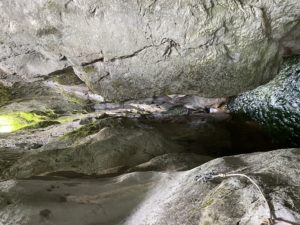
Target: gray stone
111,146
172,162
135,49
155,198
275,105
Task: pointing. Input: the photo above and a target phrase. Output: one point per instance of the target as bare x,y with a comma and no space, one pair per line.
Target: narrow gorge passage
149,112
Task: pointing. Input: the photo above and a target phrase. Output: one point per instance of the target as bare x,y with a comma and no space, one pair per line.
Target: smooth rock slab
154,198
135,49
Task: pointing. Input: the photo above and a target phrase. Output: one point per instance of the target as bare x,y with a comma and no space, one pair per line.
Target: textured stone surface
101,144
134,49
115,145
4,94
276,105
153,198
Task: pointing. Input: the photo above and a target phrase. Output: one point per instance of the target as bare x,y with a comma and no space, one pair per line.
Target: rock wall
275,105
168,198
134,49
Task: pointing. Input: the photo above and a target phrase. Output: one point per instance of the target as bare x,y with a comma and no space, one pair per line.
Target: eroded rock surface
276,105
104,115
101,144
136,49
175,198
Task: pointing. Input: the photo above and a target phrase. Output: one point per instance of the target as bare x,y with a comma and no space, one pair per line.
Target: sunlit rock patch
15,121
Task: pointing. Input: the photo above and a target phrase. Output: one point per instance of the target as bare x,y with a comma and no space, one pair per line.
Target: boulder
135,49
176,198
275,105
111,145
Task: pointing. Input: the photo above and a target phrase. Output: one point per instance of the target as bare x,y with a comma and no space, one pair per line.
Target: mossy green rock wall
275,105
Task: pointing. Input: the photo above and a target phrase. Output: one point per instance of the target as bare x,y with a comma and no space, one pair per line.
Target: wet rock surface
276,105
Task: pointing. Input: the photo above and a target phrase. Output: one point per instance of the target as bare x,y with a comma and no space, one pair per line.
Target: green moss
207,223
15,121
43,124
66,77
116,84
11,122
83,131
49,114
52,6
74,99
4,94
96,126
89,69
65,119
207,203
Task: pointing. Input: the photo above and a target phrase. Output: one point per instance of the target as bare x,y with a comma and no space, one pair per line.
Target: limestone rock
111,145
173,162
275,105
150,198
135,49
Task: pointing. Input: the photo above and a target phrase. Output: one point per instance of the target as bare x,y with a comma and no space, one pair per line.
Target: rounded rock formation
134,49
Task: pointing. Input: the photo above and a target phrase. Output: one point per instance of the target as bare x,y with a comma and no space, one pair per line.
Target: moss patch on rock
89,69
66,77
96,126
207,203
4,94
11,122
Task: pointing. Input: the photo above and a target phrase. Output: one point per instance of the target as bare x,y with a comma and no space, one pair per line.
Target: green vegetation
207,203
4,94
15,121
11,122
52,6
66,77
89,69
96,126
74,99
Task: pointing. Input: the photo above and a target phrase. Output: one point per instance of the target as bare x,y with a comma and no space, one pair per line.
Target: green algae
207,223
96,126
66,76
83,131
207,203
89,69
52,6
74,99
4,94
11,122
